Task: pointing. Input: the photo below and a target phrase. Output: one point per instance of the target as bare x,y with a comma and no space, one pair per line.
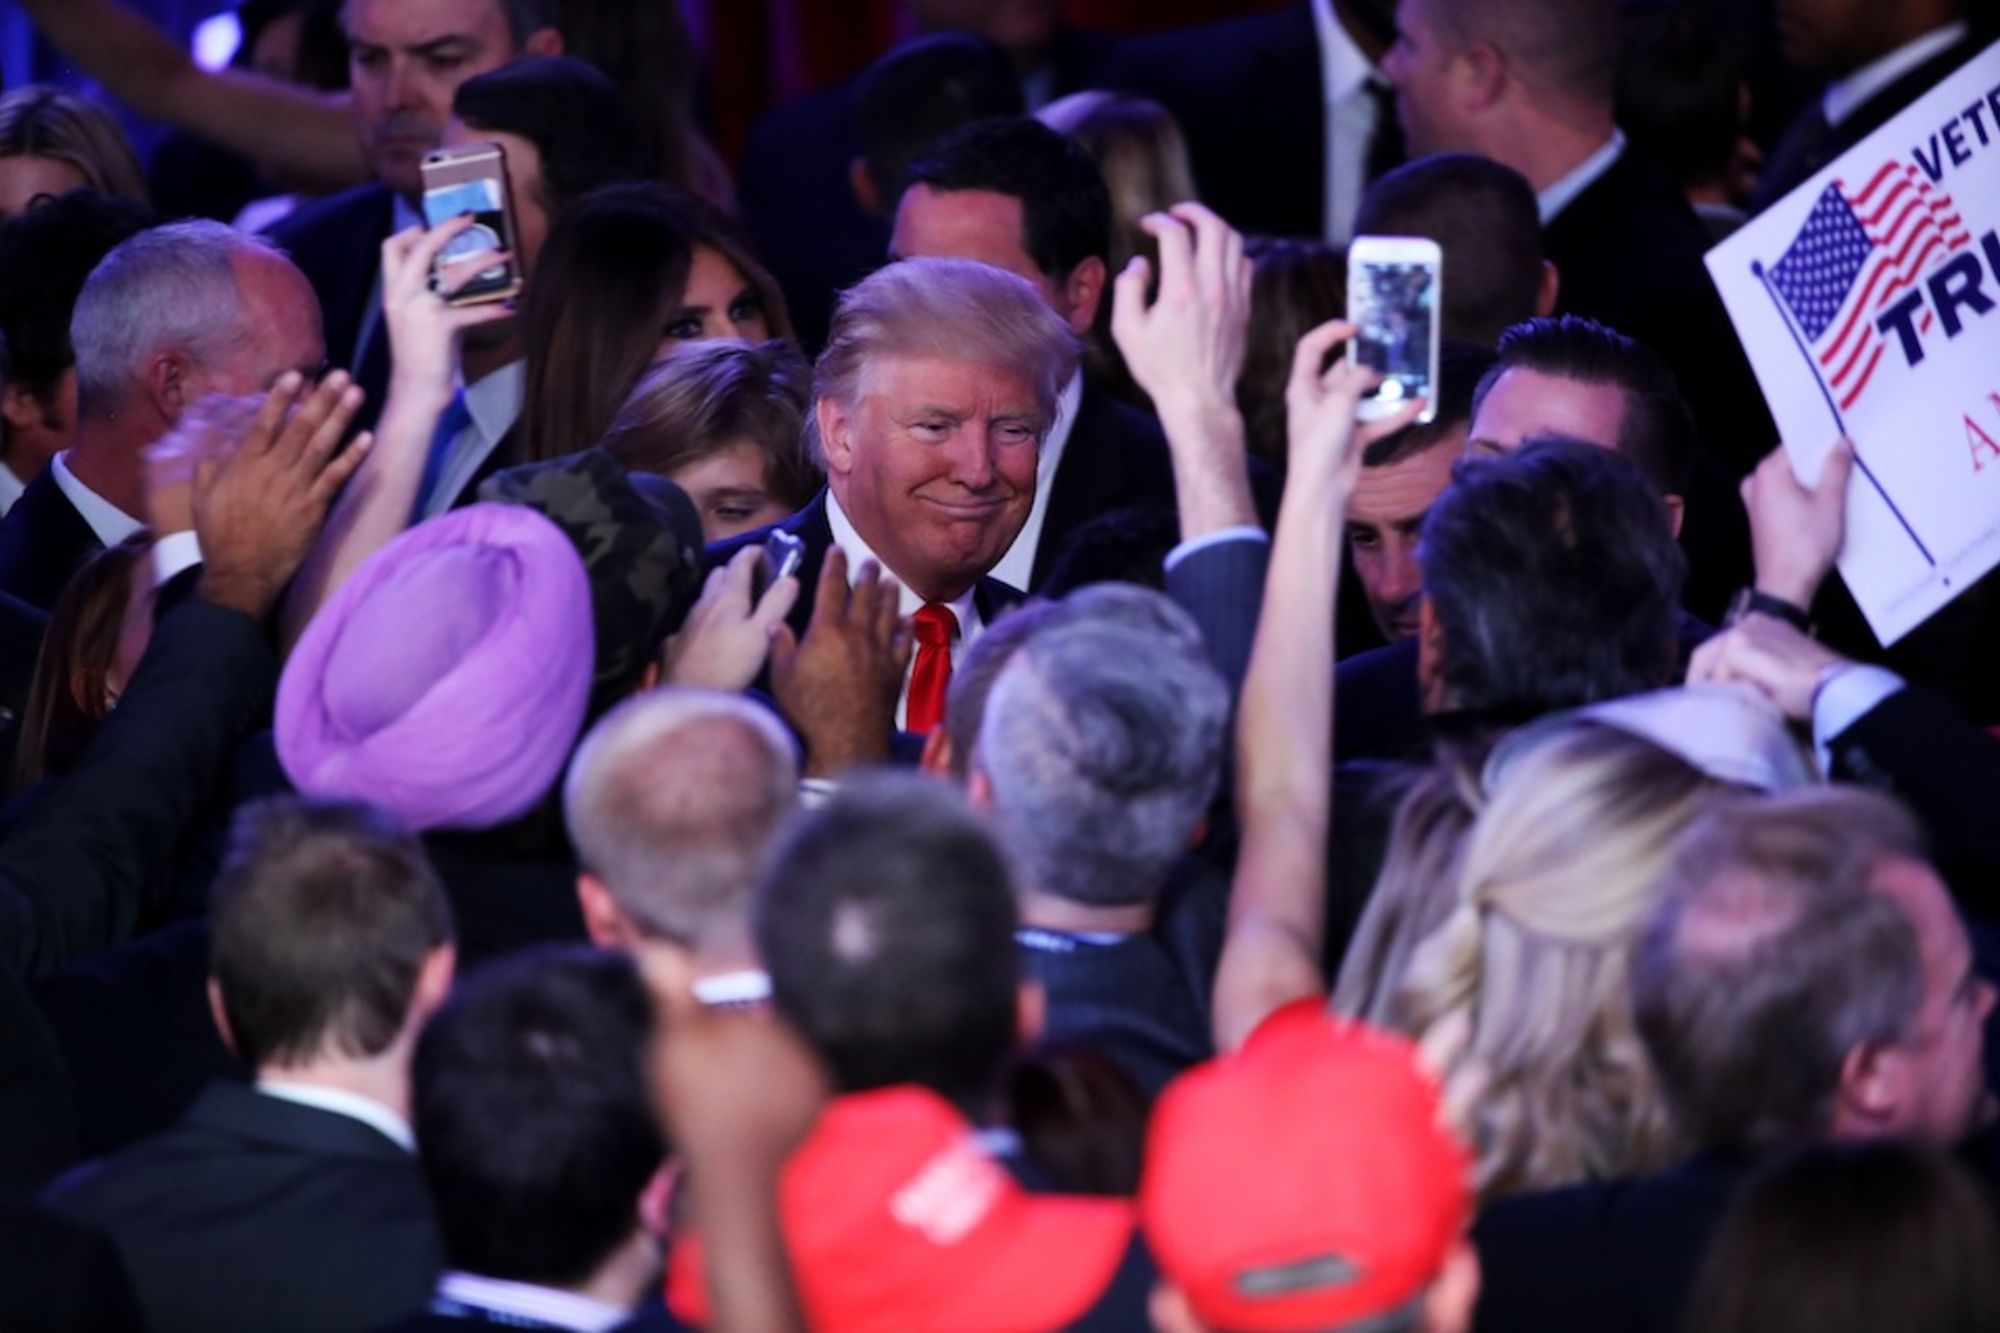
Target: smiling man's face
934,463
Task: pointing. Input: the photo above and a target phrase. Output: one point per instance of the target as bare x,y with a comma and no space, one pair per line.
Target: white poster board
1868,301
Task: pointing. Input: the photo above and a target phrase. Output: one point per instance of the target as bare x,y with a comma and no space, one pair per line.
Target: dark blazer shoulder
43,541
333,219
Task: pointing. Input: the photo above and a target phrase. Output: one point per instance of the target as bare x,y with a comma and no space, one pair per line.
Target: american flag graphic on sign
1855,255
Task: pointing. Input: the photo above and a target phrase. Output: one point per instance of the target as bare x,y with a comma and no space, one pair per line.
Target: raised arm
1277,913
424,334
73,873
309,135
1186,350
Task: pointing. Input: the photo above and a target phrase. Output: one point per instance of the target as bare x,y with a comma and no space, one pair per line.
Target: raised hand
839,685
726,640
424,330
1321,403
1796,532
210,427
258,506
1187,346
1770,657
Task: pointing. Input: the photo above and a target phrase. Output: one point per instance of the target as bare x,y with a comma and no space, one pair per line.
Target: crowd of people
888,747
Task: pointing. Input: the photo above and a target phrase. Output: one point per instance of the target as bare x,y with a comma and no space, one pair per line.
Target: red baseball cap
896,1218
1306,1180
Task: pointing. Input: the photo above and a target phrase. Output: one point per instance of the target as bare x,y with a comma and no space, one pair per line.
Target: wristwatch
1749,600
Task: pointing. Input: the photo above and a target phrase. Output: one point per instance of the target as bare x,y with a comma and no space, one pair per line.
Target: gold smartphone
473,179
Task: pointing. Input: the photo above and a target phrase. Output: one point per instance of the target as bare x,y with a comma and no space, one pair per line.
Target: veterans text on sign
1866,300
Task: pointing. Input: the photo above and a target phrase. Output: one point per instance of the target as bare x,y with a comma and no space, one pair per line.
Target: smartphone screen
475,182
1393,305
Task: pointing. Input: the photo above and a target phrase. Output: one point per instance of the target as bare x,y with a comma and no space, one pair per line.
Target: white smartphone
1394,286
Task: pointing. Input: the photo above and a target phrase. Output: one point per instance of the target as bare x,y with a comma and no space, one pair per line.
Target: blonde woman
1502,946
1138,146
53,142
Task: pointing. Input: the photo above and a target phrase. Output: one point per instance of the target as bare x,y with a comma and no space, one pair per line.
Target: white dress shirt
11,487
108,523
1344,73
350,1104
1844,97
495,405
965,607
1017,568
526,1301
1585,174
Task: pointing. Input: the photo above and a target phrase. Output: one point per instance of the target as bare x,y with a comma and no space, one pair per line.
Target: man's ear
434,980
1484,80
603,920
1873,1078
1083,292
1449,1303
170,384
218,1011
20,409
1171,1312
979,790
1031,1012
836,434
543,42
1430,657
1676,513
937,757
863,186
656,1201
1550,289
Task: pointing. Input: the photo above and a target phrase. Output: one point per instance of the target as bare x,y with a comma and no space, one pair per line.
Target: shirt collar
1845,96
494,402
1343,69
1564,192
107,522
350,1104
730,990
543,1306
848,540
11,487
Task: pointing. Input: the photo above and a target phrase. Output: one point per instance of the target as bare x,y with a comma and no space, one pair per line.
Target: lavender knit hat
446,680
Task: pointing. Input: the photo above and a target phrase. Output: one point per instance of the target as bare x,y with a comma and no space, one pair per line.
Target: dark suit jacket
1247,95
57,1275
257,1213
1630,252
1598,1257
1807,145
1116,458
43,541
21,628
337,244
812,527
1914,745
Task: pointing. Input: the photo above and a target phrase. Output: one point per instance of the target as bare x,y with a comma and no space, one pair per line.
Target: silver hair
172,287
954,309
1103,745
671,801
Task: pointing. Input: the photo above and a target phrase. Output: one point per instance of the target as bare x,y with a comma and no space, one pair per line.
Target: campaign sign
1866,300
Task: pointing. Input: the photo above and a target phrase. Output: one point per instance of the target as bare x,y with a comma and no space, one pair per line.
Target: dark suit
1808,143
1115,458
812,527
337,244
1948,771
21,628
258,1213
57,1275
1247,94
1629,249
43,542
1596,1257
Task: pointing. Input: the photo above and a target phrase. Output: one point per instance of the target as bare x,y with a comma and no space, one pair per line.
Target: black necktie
1385,143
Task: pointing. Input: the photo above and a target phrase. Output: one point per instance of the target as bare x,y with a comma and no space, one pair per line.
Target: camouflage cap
641,543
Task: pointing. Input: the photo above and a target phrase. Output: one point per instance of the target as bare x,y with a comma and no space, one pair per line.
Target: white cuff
1847,694
1243,532
173,555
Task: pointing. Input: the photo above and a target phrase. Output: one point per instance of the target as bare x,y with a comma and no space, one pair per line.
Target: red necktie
935,628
